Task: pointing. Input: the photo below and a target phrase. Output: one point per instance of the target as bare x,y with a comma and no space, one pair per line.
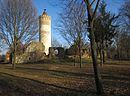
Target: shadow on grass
53,89
64,73
83,75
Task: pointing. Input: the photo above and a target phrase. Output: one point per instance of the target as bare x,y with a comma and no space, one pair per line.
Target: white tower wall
45,31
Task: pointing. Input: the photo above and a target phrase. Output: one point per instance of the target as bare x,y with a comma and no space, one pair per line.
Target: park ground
63,79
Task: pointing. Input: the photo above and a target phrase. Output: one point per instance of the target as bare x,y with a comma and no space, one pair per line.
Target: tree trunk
98,49
14,53
91,15
119,54
127,54
14,59
74,59
75,56
97,75
103,54
101,57
80,56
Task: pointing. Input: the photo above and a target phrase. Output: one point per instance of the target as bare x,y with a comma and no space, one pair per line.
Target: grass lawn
63,79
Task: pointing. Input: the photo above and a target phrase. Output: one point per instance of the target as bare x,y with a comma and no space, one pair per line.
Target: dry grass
63,80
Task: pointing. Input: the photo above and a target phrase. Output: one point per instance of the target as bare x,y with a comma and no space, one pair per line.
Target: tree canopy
18,23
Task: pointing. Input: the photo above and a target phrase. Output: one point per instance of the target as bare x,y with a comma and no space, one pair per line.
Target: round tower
45,30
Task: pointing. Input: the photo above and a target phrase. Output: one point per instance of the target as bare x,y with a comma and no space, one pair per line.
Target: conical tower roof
44,13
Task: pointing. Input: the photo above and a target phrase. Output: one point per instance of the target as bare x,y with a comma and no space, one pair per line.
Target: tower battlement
45,20
45,17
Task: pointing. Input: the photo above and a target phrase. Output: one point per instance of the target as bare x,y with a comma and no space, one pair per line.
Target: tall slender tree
91,14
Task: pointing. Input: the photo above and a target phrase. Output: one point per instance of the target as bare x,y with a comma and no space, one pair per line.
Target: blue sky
112,5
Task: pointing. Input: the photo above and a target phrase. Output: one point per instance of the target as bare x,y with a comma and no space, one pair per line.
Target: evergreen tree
104,30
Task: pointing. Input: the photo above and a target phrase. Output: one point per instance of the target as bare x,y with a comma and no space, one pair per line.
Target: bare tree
125,14
18,23
122,46
91,13
56,43
71,26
